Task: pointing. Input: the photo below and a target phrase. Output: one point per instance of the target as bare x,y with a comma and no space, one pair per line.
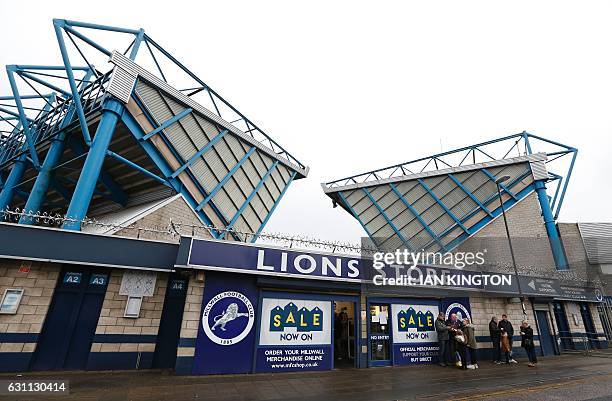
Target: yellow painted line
532,389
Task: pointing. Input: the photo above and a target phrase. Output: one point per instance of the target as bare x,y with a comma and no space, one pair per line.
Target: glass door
380,329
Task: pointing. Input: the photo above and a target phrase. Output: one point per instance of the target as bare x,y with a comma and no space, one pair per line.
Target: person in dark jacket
454,326
442,330
460,339
507,331
495,334
527,343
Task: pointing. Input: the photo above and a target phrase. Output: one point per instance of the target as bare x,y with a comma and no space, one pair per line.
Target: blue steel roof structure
436,202
105,129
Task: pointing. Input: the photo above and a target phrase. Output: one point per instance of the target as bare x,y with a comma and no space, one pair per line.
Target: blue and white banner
415,340
295,322
226,334
459,306
294,335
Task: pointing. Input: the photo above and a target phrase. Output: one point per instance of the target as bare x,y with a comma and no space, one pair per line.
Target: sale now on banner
414,334
294,335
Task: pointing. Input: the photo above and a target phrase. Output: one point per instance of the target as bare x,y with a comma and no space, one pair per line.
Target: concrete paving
567,377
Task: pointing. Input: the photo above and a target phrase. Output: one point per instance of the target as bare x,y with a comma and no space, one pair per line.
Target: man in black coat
495,334
506,327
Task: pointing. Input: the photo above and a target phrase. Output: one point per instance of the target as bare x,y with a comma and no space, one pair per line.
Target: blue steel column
41,185
551,227
6,195
93,164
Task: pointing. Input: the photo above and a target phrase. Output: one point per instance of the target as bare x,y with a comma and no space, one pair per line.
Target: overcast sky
349,86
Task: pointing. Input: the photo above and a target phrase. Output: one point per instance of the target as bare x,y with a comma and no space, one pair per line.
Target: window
132,308
10,301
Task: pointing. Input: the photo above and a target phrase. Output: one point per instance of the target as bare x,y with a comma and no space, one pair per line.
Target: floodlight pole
518,282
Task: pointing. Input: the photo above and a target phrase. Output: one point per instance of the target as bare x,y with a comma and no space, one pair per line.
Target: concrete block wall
529,239
484,308
190,323
125,343
19,332
177,211
576,253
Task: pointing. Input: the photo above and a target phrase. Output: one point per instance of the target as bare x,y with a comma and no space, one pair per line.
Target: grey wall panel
276,179
376,223
225,204
266,198
392,243
464,207
271,188
403,219
441,224
361,205
386,198
385,231
354,196
204,175
243,181
235,145
216,165
260,208
404,187
210,129
394,208
251,218
234,192
249,170
369,212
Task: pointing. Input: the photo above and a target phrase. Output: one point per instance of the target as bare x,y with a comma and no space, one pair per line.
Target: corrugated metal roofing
597,239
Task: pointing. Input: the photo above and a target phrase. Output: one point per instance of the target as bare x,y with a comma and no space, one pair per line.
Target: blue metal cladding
439,174
447,210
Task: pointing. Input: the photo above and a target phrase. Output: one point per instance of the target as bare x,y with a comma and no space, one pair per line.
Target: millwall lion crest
231,313
222,318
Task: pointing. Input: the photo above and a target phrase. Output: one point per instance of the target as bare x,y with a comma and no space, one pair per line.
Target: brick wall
582,271
127,336
177,211
19,332
483,308
529,239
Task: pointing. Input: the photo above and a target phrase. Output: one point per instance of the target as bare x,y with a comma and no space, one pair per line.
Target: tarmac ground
566,377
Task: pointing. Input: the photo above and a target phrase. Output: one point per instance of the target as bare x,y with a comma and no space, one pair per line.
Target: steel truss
50,102
519,148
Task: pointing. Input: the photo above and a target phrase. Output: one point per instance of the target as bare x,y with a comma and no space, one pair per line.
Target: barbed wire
177,229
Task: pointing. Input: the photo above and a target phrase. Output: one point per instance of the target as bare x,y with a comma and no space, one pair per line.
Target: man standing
495,334
455,326
442,330
506,329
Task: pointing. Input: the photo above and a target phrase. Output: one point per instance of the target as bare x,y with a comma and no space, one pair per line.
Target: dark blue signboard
252,259
226,334
291,359
234,257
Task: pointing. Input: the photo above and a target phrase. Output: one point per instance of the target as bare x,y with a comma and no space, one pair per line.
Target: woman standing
527,343
470,336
